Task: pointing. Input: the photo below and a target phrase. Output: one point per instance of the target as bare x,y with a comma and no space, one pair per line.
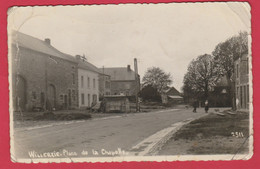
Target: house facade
172,96
42,77
88,83
242,82
124,81
104,85
221,95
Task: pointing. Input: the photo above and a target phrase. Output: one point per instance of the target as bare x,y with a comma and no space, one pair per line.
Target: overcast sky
168,36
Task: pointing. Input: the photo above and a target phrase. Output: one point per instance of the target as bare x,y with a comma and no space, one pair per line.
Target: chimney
135,64
48,41
128,68
78,57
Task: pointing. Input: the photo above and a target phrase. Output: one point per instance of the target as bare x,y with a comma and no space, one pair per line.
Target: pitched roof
223,81
119,73
38,45
173,92
88,66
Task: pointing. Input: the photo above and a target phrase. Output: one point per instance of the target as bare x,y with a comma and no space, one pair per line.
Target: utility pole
137,84
104,84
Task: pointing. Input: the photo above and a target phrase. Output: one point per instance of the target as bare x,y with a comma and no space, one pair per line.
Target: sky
168,35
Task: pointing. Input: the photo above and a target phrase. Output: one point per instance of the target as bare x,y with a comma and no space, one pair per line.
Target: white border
134,158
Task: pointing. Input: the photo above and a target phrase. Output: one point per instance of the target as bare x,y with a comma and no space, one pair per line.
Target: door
20,94
69,97
42,100
52,96
88,100
94,100
65,101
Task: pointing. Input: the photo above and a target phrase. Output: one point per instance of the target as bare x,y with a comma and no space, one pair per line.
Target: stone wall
127,88
36,69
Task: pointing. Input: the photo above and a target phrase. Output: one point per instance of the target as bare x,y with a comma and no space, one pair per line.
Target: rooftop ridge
52,50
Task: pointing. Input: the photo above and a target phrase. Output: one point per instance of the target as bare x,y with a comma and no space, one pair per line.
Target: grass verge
211,134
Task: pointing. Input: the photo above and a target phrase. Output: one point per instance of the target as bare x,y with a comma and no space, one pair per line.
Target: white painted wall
87,89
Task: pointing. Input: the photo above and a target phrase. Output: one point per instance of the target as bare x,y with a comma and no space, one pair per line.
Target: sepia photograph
130,82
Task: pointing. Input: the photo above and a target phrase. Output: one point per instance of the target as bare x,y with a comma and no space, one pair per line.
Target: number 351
237,134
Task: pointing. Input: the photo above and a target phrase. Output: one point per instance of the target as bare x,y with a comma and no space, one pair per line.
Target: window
237,71
82,99
88,82
241,97
82,81
61,98
94,83
247,96
237,92
73,95
69,97
247,66
88,99
73,78
94,98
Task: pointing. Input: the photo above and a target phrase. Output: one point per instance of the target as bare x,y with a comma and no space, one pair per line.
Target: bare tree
157,78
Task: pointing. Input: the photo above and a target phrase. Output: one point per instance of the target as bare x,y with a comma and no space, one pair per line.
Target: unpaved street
109,134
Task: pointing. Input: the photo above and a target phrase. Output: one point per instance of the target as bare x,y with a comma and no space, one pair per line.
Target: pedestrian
206,106
237,103
195,106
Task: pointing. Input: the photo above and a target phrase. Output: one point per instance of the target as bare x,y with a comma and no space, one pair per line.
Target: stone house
172,96
42,77
241,65
88,84
104,84
221,95
123,80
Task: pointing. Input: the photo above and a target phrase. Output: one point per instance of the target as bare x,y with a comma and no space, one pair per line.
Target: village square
65,106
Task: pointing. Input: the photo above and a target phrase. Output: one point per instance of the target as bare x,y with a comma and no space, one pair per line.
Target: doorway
52,96
20,94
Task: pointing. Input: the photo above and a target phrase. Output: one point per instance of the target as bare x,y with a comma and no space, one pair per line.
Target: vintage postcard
130,82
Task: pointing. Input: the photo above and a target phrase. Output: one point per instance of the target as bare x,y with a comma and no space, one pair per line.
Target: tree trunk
206,94
232,93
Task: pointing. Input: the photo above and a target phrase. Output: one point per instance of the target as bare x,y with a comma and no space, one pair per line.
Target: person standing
206,106
237,103
195,106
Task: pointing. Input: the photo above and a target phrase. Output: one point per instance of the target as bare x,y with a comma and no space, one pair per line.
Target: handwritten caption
67,153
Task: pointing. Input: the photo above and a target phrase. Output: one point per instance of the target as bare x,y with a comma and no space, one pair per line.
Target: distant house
242,81
88,83
104,84
42,77
124,80
220,96
172,96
